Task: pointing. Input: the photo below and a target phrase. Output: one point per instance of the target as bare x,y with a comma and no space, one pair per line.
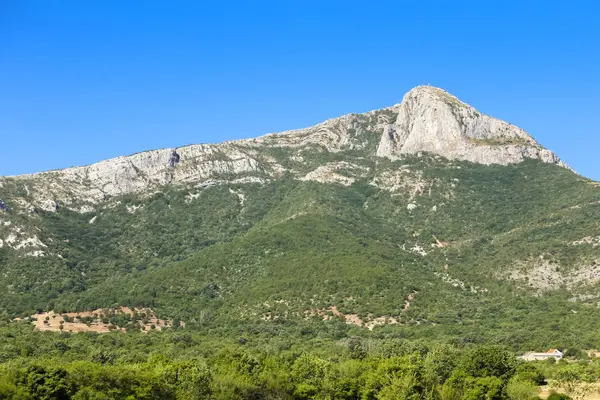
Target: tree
440,362
575,352
309,373
530,372
487,361
190,379
519,389
488,388
46,384
462,386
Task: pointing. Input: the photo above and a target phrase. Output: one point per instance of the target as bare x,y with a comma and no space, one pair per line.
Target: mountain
428,120
424,219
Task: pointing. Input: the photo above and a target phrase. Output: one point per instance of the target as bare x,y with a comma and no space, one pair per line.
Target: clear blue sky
81,81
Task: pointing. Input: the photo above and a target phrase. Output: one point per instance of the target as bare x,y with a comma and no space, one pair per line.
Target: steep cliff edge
432,120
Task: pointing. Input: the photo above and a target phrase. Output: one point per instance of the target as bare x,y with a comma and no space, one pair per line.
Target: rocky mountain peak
432,120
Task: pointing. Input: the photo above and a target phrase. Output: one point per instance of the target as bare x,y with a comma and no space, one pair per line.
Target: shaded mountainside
425,219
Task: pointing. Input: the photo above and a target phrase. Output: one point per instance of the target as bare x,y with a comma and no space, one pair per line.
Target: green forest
177,364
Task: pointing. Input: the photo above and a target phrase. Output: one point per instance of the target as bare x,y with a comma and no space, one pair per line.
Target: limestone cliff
428,120
432,120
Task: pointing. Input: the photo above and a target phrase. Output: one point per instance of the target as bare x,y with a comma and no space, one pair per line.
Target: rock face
428,120
136,173
432,120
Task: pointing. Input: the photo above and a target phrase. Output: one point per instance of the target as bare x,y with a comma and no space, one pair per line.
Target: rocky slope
428,120
432,120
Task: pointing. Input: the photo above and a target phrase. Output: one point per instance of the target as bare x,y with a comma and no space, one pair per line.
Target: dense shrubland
181,365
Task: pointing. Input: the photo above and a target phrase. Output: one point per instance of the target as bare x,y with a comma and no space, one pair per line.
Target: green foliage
45,384
500,141
531,373
521,389
558,396
575,352
185,365
489,387
487,361
245,373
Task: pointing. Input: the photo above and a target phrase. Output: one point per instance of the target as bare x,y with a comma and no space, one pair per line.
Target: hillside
426,219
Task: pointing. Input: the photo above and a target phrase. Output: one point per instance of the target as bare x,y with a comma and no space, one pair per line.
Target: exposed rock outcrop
334,173
136,173
432,120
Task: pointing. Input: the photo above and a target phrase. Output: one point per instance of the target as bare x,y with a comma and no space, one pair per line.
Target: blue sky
82,81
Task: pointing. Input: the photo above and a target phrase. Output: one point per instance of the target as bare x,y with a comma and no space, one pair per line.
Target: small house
532,356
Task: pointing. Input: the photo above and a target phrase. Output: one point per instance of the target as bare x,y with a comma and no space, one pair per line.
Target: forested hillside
346,260
483,252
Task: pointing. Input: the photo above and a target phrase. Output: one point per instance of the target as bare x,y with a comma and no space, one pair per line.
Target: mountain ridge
298,131
428,120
